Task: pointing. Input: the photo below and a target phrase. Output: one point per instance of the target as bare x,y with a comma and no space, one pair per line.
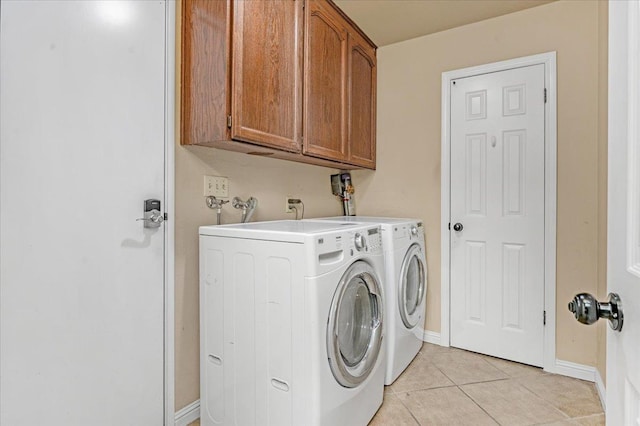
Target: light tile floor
448,386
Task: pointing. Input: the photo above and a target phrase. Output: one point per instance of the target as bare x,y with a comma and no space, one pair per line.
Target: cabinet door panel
362,103
205,71
325,82
267,79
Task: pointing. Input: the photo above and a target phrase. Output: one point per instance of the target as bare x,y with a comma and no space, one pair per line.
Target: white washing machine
291,323
405,287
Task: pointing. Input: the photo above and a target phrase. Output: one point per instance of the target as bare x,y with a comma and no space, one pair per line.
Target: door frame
169,208
550,187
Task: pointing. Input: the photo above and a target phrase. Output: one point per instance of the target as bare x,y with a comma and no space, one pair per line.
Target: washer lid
354,330
278,230
367,219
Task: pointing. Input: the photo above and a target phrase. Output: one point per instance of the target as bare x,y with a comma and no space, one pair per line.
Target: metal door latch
152,218
588,310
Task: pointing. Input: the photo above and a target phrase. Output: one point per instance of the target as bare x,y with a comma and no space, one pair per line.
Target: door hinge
228,121
449,226
544,317
166,216
545,95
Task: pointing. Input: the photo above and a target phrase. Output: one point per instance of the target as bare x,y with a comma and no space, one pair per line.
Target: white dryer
405,287
291,323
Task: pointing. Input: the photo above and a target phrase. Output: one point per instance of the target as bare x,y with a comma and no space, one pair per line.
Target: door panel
497,195
82,145
623,272
267,61
362,102
325,88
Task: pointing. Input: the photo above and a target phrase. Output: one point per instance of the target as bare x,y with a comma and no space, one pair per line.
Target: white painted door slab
497,198
623,239
82,145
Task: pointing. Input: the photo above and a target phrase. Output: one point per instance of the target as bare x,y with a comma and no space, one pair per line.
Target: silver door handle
152,217
588,310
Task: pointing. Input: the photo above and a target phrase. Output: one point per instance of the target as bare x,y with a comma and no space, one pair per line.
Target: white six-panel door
497,197
623,230
82,106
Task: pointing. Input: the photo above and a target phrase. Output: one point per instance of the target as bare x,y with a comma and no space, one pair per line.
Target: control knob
359,241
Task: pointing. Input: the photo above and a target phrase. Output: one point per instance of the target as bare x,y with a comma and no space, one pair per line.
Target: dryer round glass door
412,286
354,330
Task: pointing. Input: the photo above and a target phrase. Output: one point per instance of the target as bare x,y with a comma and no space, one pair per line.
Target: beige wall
407,181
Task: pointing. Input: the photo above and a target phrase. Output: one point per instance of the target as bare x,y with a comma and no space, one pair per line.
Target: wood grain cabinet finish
243,60
340,88
325,106
267,73
362,102
243,72
205,75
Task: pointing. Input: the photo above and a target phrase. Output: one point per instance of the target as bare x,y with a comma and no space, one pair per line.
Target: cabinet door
325,82
362,102
267,73
204,71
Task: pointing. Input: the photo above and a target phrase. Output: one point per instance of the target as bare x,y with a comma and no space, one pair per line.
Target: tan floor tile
195,423
388,391
421,374
597,420
512,404
393,412
567,422
513,369
444,406
575,398
430,349
466,367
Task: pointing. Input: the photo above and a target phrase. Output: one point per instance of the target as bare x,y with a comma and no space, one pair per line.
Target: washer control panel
374,240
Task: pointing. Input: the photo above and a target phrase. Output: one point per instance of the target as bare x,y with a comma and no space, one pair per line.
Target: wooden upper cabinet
267,73
325,104
340,88
205,78
246,84
362,102
242,68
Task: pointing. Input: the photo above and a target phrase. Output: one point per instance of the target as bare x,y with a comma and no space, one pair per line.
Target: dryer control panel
416,231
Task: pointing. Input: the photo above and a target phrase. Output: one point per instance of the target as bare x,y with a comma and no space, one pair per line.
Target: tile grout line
408,410
479,406
535,395
425,389
460,389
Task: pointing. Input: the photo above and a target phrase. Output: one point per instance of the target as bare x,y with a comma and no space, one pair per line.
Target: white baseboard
602,391
577,371
188,414
431,337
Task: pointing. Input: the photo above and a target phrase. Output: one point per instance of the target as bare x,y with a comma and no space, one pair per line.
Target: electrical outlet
287,208
217,186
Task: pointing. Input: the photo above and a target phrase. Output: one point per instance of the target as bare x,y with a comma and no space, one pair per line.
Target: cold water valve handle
588,310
